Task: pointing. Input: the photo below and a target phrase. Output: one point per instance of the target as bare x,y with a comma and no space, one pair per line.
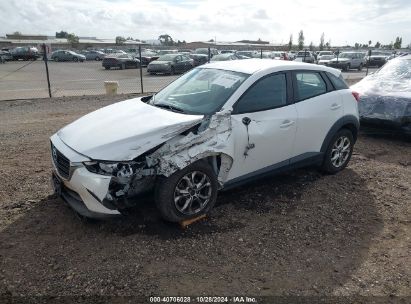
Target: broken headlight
117,169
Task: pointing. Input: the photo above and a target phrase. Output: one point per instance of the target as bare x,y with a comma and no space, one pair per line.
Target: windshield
200,91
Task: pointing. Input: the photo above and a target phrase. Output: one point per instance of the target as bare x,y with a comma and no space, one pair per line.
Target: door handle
335,106
246,121
286,123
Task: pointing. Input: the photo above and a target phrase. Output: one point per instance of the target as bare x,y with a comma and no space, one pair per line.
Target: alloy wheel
192,193
340,151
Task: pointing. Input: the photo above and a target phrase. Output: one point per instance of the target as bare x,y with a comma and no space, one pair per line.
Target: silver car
348,60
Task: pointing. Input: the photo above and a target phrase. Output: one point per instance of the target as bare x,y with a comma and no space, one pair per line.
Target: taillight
356,96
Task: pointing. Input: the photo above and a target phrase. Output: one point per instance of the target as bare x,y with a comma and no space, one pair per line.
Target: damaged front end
128,179
210,139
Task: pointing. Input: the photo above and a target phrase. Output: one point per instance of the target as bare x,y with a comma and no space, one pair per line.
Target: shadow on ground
301,233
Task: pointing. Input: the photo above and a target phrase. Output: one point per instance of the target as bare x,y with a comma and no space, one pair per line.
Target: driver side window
267,93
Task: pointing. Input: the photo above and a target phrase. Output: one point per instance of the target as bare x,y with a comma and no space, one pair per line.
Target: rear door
318,107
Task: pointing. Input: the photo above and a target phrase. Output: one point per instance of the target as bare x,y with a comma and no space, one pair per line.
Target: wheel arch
349,122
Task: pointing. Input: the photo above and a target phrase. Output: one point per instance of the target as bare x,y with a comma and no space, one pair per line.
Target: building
12,41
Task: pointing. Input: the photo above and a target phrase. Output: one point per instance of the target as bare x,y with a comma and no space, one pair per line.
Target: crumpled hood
124,130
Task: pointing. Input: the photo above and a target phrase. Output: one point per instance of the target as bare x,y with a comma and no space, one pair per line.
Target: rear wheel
360,67
56,59
107,68
347,67
97,59
187,193
172,71
339,152
75,59
122,66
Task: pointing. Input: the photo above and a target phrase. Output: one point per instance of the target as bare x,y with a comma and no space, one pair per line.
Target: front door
264,128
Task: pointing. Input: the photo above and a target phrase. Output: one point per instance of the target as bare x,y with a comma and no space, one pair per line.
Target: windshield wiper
169,107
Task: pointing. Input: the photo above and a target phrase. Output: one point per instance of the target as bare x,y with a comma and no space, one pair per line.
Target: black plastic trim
303,160
340,123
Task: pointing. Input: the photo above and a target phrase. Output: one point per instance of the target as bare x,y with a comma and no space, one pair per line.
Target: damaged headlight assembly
117,169
128,179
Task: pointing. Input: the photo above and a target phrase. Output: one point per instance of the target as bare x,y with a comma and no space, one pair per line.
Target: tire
56,59
347,68
97,59
122,66
107,68
172,71
339,152
360,67
75,59
174,207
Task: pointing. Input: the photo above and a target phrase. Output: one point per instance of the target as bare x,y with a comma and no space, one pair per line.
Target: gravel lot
300,233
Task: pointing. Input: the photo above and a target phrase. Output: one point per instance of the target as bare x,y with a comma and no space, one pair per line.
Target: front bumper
338,65
84,191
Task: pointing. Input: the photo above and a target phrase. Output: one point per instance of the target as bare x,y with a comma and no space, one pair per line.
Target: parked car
170,64
216,127
262,55
278,55
65,55
25,53
325,59
204,51
348,60
165,52
305,56
228,51
324,53
198,59
146,57
94,55
385,101
377,58
249,54
123,61
5,56
224,57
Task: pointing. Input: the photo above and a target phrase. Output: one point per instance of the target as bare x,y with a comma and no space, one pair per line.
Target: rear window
338,82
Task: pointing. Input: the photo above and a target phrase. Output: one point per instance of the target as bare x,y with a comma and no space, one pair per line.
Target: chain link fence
67,73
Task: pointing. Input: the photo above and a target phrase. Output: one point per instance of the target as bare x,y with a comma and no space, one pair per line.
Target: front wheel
75,59
360,67
339,152
187,193
347,67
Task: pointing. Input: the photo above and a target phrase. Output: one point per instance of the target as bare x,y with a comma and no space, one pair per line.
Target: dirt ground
300,234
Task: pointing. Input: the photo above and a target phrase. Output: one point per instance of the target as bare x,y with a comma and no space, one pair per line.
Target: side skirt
300,161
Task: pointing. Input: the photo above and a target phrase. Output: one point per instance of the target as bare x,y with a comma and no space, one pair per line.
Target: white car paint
125,130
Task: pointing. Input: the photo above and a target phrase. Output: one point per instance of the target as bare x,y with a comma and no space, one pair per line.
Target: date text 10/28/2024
203,299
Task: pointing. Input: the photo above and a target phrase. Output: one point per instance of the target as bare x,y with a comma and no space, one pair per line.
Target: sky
342,22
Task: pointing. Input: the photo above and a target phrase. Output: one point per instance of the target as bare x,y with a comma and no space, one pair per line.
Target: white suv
215,127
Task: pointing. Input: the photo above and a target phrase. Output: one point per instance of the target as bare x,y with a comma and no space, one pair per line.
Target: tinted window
338,82
268,93
309,84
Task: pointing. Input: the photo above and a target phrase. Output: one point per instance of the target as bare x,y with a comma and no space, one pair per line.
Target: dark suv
25,53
